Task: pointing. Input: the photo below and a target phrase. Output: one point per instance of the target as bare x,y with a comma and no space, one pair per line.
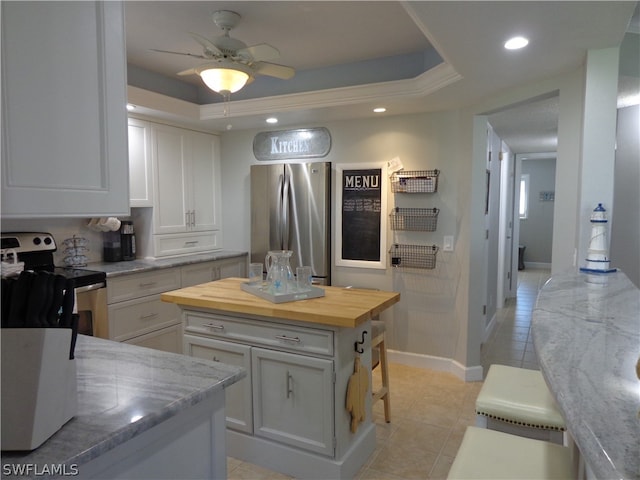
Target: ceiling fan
231,64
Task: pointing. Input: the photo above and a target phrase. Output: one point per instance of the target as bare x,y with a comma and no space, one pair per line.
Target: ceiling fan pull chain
227,100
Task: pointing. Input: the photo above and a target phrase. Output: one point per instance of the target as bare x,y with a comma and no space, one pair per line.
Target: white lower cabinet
137,315
293,399
289,413
204,272
287,396
167,339
238,396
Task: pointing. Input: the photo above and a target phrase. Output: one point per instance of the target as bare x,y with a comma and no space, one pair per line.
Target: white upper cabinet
172,213
176,171
140,164
204,182
187,181
64,120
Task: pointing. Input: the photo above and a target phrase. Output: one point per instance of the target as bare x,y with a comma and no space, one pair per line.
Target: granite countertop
114,269
117,383
586,332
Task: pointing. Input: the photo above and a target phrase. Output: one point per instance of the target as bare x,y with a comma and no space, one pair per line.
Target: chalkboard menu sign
361,204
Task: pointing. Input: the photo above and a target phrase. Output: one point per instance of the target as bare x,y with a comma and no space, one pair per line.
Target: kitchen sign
292,144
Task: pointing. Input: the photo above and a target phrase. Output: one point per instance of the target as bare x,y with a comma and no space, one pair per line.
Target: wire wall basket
414,219
415,181
413,256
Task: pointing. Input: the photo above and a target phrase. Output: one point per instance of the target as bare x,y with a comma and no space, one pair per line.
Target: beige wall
428,319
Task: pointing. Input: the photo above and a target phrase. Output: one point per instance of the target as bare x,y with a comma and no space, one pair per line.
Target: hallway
511,342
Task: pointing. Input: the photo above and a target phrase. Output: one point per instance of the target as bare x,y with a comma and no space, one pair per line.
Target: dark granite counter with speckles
114,269
123,391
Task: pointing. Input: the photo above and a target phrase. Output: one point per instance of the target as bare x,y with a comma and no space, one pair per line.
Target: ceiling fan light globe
224,79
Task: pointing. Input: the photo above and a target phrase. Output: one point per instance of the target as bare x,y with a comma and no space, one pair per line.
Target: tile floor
431,409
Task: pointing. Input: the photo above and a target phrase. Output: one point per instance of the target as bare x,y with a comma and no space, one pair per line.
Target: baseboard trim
490,328
441,364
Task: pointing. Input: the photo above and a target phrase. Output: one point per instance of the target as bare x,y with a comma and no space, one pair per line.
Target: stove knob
47,240
36,241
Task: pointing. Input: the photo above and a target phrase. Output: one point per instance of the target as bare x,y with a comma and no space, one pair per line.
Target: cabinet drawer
183,243
138,285
300,339
140,316
167,339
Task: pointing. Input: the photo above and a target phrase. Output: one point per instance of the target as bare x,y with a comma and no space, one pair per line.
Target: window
524,196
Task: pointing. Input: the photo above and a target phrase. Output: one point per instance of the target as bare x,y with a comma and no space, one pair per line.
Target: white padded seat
487,454
519,397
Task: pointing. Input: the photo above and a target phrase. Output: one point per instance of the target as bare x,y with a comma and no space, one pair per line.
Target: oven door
91,305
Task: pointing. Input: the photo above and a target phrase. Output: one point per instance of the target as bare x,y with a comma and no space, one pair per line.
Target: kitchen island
586,332
141,413
290,413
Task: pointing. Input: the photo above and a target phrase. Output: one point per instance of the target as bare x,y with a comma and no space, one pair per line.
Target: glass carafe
279,274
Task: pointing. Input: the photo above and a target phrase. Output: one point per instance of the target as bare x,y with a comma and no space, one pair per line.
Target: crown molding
159,106
420,86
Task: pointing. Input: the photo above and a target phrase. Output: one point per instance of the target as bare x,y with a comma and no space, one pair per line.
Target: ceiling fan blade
262,51
209,47
191,71
273,70
179,53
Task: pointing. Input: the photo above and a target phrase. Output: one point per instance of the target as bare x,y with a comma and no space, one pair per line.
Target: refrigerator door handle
285,213
279,210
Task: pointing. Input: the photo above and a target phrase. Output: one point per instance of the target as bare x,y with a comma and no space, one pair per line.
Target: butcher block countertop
340,307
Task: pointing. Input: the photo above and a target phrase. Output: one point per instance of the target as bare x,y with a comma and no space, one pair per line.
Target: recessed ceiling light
379,109
516,43
272,120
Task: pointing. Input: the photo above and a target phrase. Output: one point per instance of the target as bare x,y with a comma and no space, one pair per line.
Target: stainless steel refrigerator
291,210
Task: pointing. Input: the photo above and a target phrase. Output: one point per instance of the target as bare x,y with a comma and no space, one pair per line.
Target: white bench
488,454
516,400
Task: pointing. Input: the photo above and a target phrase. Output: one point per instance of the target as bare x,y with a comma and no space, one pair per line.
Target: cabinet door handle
215,359
193,219
191,242
289,384
288,339
148,316
214,326
147,284
187,219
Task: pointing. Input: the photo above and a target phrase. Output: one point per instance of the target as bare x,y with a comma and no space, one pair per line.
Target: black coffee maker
127,240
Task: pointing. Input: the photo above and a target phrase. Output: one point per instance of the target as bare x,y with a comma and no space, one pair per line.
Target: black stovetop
80,277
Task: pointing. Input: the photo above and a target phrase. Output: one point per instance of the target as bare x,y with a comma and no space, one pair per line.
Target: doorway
528,132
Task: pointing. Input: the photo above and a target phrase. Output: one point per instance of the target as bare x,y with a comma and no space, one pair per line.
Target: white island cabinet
64,120
289,414
142,414
289,392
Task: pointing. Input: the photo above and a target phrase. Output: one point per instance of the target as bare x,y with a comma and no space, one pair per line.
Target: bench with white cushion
488,454
517,400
